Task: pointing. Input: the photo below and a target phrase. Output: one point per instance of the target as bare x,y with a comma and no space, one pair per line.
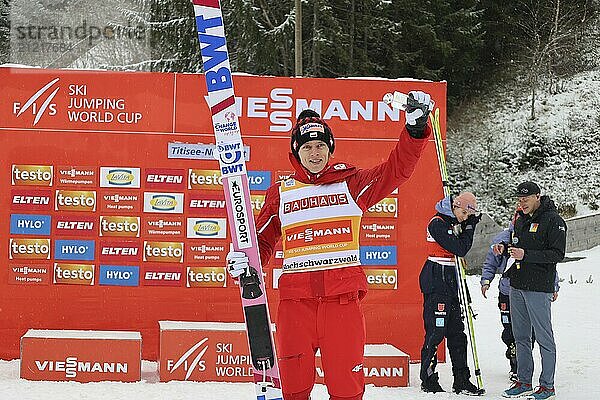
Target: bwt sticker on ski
240,213
231,159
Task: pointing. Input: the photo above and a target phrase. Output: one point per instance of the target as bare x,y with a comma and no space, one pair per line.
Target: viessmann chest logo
40,103
319,233
32,175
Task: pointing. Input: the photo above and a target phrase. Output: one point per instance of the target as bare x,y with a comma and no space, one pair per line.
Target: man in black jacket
537,244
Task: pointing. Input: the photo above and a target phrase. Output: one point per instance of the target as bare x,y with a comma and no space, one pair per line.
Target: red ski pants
336,326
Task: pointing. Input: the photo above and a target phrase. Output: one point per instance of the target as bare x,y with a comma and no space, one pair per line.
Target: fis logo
121,177
32,175
47,93
196,363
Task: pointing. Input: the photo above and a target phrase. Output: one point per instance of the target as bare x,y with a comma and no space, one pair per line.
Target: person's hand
474,219
484,289
237,263
498,249
417,111
554,296
516,253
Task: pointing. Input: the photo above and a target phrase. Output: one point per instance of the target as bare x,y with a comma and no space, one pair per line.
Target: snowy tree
4,31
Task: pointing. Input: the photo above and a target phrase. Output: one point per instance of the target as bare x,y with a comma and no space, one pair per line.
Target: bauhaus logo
32,175
40,103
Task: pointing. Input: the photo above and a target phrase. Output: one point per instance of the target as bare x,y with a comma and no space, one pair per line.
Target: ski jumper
317,216
441,308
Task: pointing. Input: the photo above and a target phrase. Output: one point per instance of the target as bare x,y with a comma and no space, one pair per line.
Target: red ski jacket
367,187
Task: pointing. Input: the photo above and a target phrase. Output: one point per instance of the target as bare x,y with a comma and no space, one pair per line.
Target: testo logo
81,250
206,277
30,224
170,252
123,177
382,278
257,201
75,225
207,179
73,274
163,178
75,200
32,175
29,249
386,208
213,228
31,200
119,226
119,275
170,203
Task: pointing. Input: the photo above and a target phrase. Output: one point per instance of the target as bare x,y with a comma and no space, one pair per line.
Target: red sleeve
369,186
268,225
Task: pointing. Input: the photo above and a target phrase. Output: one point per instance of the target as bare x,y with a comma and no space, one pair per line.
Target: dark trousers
504,306
442,318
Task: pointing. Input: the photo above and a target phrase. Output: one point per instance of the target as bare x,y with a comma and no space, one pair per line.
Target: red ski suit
321,309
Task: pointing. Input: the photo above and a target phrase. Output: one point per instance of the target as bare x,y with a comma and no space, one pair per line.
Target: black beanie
310,126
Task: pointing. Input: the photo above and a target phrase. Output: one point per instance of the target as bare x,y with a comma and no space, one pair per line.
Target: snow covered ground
576,326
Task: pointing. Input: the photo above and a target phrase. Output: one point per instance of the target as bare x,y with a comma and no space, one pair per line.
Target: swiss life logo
40,103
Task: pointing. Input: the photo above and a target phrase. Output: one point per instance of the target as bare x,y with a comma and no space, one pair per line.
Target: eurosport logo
169,203
32,175
166,179
119,275
29,249
28,274
31,200
45,95
30,224
121,177
259,180
240,212
206,228
76,176
75,225
74,274
378,255
80,250
231,158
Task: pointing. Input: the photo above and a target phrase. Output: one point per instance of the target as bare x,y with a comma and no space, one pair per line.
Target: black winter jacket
543,236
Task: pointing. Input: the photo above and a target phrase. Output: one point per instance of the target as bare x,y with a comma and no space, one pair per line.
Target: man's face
314,155
529,203
460,213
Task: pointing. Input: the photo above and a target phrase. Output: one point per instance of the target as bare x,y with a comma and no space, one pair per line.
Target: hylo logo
32,175
36,110
74,250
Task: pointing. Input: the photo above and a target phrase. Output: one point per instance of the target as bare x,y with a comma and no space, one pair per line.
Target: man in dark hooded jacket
537,245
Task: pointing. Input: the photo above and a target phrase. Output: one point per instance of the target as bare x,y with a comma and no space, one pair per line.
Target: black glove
417,111
471,221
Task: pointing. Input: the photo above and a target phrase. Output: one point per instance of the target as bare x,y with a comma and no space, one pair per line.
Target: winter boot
462,385
432,384
542,393
518,389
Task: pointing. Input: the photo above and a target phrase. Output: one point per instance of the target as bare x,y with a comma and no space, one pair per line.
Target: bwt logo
32,103
189,367
231,158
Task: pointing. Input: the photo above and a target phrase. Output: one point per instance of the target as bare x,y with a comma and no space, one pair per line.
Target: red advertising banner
114,206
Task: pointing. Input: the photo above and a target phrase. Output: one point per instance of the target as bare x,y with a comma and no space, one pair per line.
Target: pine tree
4,31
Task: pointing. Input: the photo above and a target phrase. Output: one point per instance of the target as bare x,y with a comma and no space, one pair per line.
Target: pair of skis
230,152
400,101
